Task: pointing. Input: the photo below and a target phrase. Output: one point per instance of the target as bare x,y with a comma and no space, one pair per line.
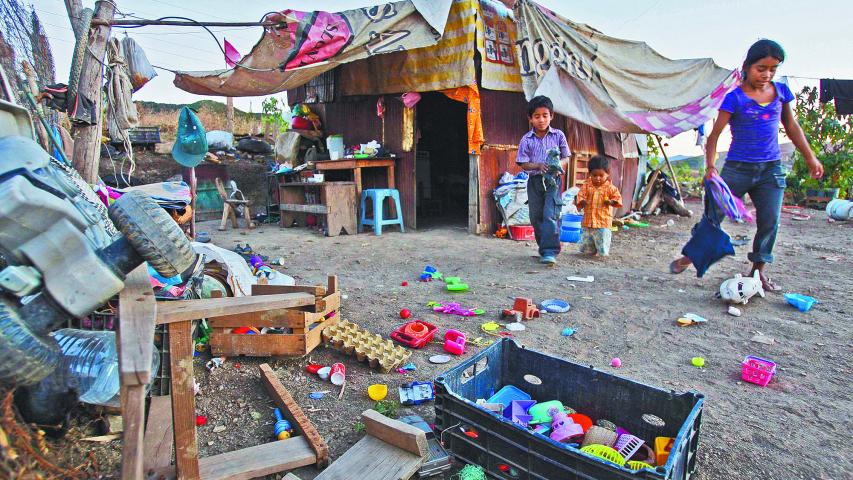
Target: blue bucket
570,228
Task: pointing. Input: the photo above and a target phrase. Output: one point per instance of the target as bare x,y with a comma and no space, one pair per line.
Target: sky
817,36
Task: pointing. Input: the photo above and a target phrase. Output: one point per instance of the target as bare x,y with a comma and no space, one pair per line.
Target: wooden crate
305,323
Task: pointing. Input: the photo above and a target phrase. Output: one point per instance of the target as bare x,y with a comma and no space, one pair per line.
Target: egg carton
382,354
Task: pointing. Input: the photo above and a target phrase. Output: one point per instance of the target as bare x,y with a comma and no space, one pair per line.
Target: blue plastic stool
378,195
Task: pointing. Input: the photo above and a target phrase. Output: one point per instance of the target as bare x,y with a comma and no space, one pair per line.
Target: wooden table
356,164
336,202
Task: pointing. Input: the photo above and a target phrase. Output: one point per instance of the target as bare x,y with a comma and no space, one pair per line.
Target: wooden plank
137,310
294,413
168,312
133,415
251,462
317,291
328,302
304,208
473,193
333,283
342,209
295,344
159,438
395,432
183,400
272,318
374,459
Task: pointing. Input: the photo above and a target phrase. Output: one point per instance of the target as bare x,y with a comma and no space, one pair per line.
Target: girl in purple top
753,111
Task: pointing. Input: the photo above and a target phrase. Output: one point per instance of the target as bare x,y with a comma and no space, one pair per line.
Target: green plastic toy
457,287
540,414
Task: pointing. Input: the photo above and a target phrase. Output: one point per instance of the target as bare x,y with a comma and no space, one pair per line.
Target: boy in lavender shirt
543,197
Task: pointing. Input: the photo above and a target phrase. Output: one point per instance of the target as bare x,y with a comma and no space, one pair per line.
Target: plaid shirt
596,214
533,149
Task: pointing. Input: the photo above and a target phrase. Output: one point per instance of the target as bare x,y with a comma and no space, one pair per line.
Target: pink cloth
232,56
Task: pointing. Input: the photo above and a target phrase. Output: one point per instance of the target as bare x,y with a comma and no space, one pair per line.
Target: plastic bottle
90,360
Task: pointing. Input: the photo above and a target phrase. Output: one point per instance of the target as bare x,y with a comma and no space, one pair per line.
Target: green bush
831,138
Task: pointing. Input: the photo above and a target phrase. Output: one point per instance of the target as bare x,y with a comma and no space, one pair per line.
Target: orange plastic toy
663,445
524,307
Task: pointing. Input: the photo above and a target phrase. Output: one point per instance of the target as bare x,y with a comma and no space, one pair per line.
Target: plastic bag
141,71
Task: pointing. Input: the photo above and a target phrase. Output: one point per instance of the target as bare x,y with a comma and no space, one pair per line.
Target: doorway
442,163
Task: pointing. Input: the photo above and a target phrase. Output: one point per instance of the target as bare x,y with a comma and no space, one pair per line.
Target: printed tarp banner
447,64
310,43
496,37
613,84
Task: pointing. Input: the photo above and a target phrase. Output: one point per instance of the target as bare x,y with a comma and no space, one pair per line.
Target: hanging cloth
841,91
471,95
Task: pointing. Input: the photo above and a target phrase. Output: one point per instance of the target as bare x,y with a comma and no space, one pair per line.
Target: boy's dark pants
545,206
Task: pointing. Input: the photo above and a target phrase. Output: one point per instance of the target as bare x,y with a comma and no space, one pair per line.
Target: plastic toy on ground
454,342
507,395
555,305
455,309
757,370
740,289
584,421
415,334
405,313
377,391
282,429
628,445
523,306
605,453
430,273
416,393
518,411
540,411
803,303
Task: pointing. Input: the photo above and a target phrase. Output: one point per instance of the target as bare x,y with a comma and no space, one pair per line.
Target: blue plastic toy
802,302
282,429
416,393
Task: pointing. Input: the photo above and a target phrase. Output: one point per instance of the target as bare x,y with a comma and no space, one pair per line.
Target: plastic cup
324,372
338,373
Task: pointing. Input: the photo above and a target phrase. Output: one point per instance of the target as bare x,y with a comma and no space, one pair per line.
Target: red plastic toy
523,306
454,342
405,313
415,334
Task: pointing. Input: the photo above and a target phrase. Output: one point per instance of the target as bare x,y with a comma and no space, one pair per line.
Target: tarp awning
311,43
613,84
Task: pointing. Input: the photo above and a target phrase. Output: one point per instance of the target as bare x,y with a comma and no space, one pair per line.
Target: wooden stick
669,166
343,386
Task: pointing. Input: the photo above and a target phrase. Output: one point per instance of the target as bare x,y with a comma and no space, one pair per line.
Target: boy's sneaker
548,259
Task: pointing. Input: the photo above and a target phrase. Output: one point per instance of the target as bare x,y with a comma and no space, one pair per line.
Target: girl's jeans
765,184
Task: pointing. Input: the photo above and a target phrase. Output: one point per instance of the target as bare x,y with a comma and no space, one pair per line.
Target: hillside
211,105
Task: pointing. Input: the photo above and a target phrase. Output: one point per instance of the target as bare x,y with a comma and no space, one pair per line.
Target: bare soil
792,429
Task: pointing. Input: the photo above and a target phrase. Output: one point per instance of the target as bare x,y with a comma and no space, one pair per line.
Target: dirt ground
792,429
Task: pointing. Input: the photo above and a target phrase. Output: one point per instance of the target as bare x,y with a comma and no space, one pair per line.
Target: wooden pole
74,7
669,167
229,115
87,138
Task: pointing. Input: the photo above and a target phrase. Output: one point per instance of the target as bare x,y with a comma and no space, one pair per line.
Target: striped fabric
448,64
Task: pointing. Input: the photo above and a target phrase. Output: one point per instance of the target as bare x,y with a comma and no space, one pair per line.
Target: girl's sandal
677,267
768,285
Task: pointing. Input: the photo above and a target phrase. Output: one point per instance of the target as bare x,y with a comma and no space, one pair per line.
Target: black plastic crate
598,394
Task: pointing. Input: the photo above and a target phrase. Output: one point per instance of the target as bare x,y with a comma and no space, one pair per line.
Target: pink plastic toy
757,370
627,445
454,342
562,427
455,309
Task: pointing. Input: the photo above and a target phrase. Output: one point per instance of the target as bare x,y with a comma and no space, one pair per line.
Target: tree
831,138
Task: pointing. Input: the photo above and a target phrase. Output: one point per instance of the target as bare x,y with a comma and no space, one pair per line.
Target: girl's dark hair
539,102
599,162
761,49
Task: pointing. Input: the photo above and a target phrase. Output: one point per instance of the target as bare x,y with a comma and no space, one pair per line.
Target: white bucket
839,209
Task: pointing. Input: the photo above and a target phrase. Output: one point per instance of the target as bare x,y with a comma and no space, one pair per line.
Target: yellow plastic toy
663,445
377,391
605,453
636,465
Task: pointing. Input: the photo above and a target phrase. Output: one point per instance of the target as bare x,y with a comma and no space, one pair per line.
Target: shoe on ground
548,259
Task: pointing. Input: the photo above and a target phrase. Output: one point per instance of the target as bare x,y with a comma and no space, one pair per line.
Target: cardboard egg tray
382,354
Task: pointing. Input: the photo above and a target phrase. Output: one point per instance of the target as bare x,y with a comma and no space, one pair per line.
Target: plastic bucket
570,228
839,209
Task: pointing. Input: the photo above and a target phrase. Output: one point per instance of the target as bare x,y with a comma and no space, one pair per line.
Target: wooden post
669,167
87,138
74,7
229,115
183,400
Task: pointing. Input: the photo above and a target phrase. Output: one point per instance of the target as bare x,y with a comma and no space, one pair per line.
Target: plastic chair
378,195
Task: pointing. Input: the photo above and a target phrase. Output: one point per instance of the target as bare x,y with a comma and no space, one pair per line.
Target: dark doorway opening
442,163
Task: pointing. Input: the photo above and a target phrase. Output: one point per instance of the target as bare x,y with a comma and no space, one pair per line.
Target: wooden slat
252,462
317,291
168,312
333,284
297,344
374,459
133,416
294,413
295,207
183,400
272,318
395,432
328,302
159,436
137,310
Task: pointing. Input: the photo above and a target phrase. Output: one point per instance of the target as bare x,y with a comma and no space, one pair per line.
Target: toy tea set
561,423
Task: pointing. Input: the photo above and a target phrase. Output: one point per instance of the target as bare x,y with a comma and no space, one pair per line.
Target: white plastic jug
335,144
